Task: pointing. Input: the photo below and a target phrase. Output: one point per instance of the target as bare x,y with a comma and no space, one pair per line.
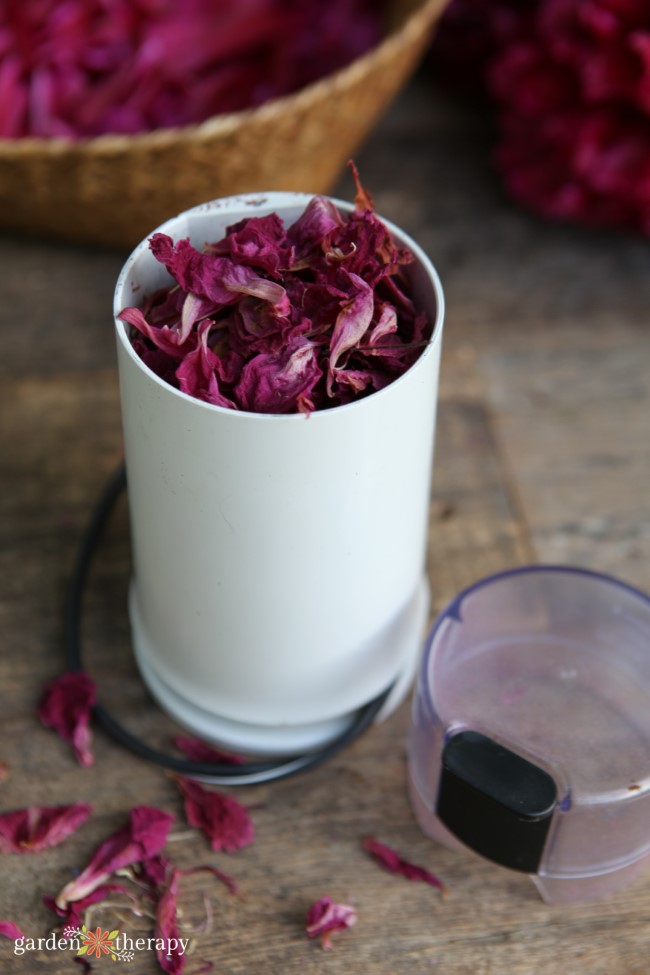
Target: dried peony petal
73,912
311,230
143,836
280,382
39,827
168,340
84,963
390,860
152,871
257,242
171,961
324,917
222,818
10,930
197,374
66,706
351,324
217,278
200,751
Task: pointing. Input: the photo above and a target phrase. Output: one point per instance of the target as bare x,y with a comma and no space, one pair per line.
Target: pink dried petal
390,860
39,827
313,227
215,278
222,818
73,913
194,309
324,917
197,375
10,930
166,927
143,836
362,199
84,963
351,324
152,871
66,705
275,382
200,751
258,242
168,340
385,325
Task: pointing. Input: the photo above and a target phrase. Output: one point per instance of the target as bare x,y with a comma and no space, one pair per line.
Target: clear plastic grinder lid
530,739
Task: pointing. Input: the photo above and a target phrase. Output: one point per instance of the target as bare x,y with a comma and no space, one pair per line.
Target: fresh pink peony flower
571,83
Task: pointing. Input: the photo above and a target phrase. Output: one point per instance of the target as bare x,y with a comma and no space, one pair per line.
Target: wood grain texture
542,454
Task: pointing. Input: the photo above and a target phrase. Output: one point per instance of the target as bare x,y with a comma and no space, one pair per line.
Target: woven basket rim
414,24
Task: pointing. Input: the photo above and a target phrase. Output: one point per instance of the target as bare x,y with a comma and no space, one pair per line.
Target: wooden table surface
543,454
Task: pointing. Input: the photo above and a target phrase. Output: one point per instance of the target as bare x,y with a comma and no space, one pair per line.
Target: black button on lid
495,801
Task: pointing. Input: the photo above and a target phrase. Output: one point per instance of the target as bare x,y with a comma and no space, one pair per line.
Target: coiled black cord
249,773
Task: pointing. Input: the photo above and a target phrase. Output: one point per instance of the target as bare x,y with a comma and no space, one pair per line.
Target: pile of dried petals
86,67
571,86
134,852
283,320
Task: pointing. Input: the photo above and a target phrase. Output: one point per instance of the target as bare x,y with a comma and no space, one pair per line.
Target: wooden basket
114,189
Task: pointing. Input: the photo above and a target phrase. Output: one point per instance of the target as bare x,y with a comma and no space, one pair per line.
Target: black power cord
249,773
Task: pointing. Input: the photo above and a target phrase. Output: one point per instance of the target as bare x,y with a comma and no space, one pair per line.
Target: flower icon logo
97,942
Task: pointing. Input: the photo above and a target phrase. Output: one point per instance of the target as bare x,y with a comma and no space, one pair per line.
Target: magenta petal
166,927
39,827
73,913
351,325
10,930
152,871
319,219
222,818
200,751
280,382
197,373
390,860
66,705
258,242
143,836
385,325
324,916
168,340
215,278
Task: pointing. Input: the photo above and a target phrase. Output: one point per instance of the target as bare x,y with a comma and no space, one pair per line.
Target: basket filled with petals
114,115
